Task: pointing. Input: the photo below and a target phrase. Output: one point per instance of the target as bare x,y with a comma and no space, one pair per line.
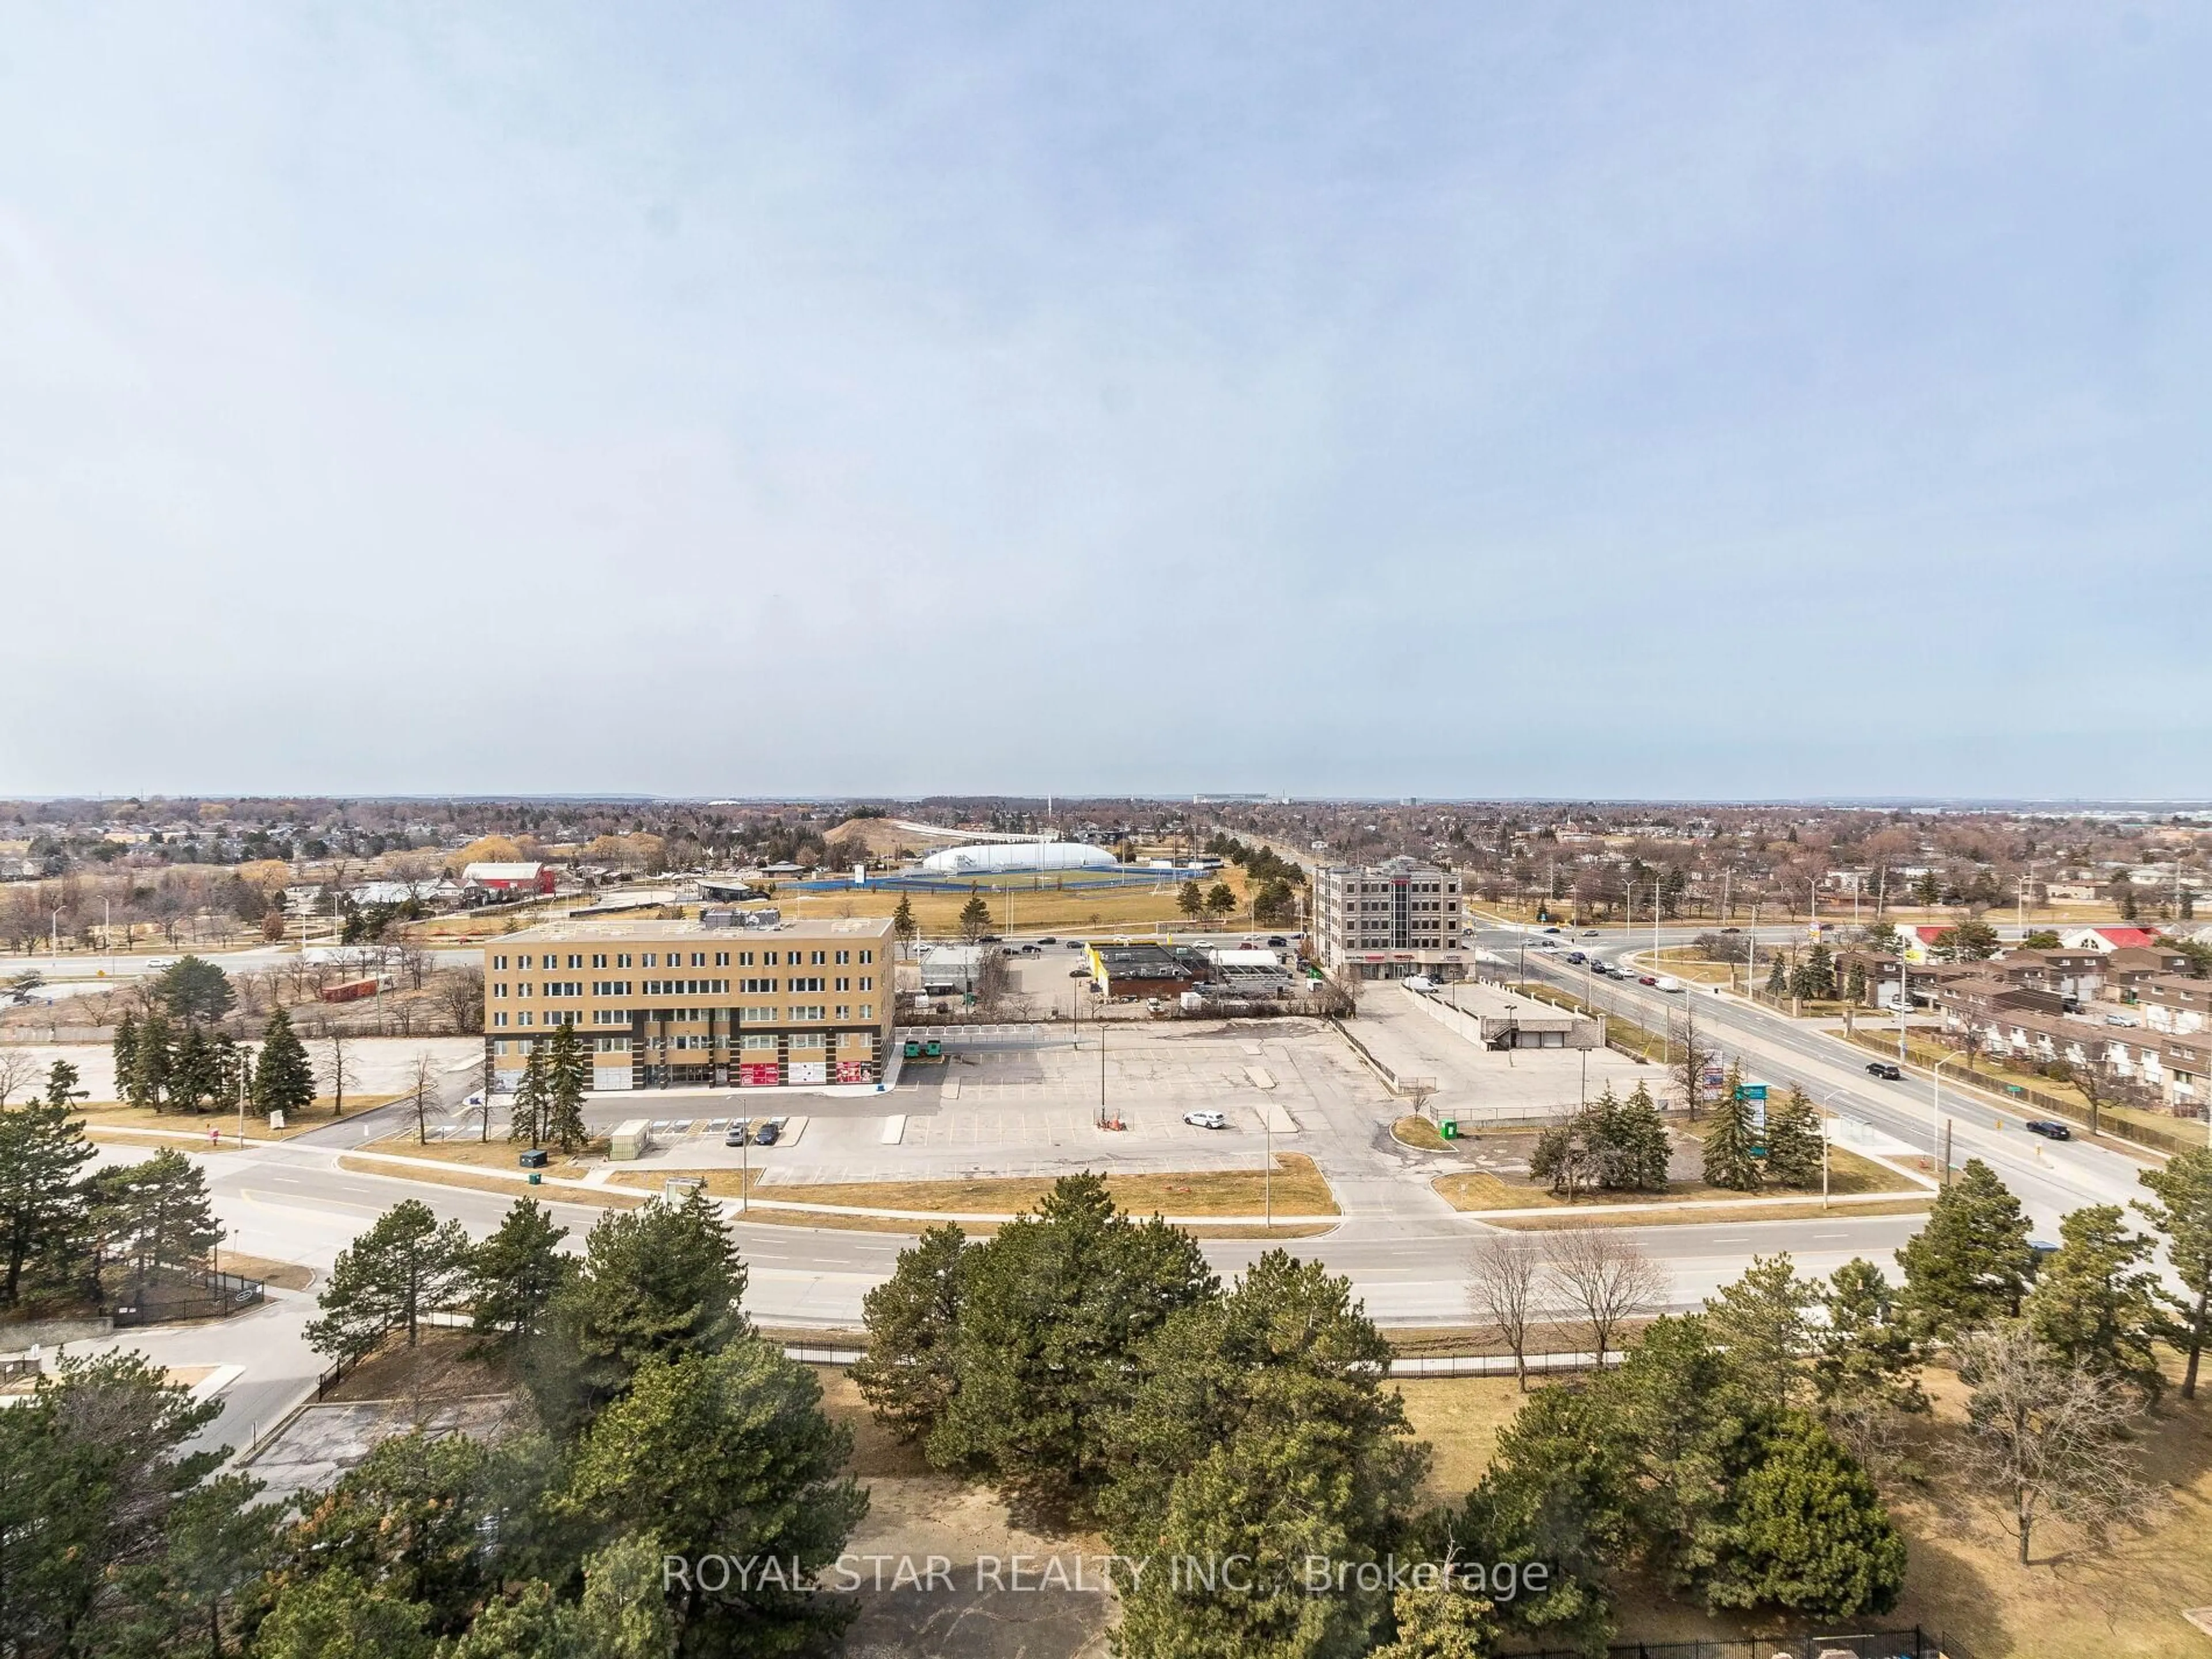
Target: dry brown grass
439,1367
607,1198
284,1275
497,1153
1460,1417
1705,1215
1421,1134
111,1116
1299,1190
1961,1578
1849,1175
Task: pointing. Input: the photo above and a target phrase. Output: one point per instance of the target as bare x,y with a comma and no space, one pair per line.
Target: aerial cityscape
965,835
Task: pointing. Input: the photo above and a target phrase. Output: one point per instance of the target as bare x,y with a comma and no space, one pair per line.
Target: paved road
2050,1179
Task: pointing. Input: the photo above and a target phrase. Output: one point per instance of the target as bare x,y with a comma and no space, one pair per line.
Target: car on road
1731,930
1049,938
1277,940
1555,930
1589,933
989,938
2118,1019
1206,1119
1647,979
1079,973
2049,1129
769,1133
1075,944
1578,956
1664,983
1888,1070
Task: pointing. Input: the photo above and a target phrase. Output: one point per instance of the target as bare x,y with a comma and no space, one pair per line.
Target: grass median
1299,1190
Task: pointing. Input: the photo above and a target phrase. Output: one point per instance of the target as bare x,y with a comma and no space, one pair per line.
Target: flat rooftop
838,928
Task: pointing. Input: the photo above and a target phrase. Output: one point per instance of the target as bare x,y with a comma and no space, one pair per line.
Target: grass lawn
497,1153
1684,962
1460,1417
1420,1133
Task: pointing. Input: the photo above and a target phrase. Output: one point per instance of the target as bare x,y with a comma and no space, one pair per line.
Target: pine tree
125,1048
903,926
1866,1359
2182,1213
193,1078
151,1057
42,1222
526,1116
404,1266
1629,1142
1778,978
1971,1263
1793,1141
1190,900
568,1070
1855,983
1759,1322
516,1274
975,917
2095,1303
282,1079
156,1216
1728,1140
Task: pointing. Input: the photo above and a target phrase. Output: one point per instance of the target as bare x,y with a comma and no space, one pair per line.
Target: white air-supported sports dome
990,856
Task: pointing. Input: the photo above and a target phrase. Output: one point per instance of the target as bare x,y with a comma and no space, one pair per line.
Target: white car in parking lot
1206,1119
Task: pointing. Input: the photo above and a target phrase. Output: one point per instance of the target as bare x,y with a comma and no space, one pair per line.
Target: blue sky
1700,400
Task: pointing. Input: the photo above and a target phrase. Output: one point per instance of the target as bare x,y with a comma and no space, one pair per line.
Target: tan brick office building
665,1005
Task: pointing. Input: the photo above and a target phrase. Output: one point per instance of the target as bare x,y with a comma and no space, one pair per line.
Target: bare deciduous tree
2047,1438
339,1073
422,1089
1418,1094
1604,1278
1509,1289
462,990
17,1068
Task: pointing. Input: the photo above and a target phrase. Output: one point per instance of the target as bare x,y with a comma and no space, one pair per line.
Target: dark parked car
2049,1129
1075,944
1049,938
768,1134
1079,973
1885,1068
1277,939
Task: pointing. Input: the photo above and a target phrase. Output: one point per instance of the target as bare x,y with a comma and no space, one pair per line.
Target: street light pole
1935,1118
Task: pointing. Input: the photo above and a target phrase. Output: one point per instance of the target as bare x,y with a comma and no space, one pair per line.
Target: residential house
1982,1003
1883,970
2075,975
2134,966
2104,940
2174,1006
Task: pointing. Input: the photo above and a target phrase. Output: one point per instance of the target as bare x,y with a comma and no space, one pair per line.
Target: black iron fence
1914,1643
164,1297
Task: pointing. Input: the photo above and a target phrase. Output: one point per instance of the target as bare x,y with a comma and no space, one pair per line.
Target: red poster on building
758,1074
852,1071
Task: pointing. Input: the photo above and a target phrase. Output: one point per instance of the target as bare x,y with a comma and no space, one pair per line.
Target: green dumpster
1450,1127
534,1177
934,1050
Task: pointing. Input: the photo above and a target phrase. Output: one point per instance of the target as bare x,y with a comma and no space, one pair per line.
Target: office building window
623,960
843,984
844,1010
820,958
523,1018
599,960
843,956
500,1020
522,988
756,1016
721,958
867,1011
808,1010
753,1043
607,1045
868,956
499,964
698,958
867,982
